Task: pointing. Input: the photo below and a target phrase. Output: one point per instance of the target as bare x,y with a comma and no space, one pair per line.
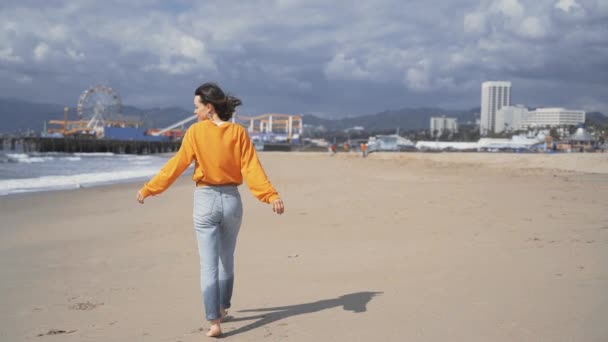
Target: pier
87,145
282,147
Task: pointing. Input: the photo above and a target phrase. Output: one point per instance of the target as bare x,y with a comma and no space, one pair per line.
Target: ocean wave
35,160
96,154
25,158
47,183
17,156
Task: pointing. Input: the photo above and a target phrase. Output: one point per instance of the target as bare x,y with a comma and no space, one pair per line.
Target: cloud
342,67
532,27
170,49
510,8
567,5
602,7
41,51
75,55
475,22
56,33
7,55
307,56
417,79
23,79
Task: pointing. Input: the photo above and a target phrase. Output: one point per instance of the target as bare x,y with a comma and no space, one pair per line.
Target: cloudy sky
329,58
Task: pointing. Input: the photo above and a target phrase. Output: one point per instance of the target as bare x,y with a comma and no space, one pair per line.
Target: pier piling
87,145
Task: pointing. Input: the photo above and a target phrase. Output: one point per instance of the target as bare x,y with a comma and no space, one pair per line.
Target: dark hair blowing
222,103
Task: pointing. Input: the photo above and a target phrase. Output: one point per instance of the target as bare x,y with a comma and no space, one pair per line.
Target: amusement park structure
99,116
273,127
267,128
98,108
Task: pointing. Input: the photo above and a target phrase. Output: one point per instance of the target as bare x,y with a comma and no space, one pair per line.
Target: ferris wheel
97,105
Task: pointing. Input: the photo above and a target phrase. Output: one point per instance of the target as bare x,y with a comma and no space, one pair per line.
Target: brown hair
223,104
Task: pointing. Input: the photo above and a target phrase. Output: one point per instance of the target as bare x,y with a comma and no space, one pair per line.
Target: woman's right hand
278,207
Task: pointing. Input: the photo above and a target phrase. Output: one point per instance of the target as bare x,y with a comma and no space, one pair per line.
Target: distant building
553,117
510,118
582,141
513,118
494,95
443,124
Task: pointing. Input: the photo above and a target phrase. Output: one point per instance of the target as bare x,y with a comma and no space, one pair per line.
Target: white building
552,117
392,142
510,118
494,95
485,144
441,124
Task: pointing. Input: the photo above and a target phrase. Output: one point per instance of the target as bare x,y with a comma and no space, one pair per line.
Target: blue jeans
218,212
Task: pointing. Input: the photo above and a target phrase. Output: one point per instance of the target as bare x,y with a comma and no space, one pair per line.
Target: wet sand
395,247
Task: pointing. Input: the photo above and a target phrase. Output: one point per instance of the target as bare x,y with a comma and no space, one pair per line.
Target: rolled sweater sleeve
172,169
253,173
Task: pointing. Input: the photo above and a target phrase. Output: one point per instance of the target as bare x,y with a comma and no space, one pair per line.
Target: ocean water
34,172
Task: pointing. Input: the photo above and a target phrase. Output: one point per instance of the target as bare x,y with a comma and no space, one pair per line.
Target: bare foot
223,315
214,330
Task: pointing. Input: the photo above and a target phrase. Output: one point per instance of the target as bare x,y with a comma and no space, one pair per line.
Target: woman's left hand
140,197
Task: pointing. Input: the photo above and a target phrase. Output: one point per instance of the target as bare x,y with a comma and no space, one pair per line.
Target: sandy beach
395,247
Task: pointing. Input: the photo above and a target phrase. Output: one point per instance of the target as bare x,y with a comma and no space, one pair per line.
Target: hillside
19,116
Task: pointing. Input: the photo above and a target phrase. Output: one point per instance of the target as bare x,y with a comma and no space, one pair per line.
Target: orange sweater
223,154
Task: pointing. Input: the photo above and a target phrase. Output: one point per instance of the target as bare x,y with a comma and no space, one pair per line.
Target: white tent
484,144
581,135
446,145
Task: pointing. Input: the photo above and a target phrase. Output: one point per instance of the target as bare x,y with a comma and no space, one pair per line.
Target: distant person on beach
224,156
346,147
332,149
364,150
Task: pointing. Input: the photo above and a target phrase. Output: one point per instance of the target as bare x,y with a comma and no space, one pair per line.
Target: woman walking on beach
224,156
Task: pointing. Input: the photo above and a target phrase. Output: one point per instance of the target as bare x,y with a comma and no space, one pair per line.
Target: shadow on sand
355,302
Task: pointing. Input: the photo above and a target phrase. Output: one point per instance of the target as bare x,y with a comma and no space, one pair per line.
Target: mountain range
21,116
404,119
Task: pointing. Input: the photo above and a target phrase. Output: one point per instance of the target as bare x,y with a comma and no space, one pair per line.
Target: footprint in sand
56,332
85,306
